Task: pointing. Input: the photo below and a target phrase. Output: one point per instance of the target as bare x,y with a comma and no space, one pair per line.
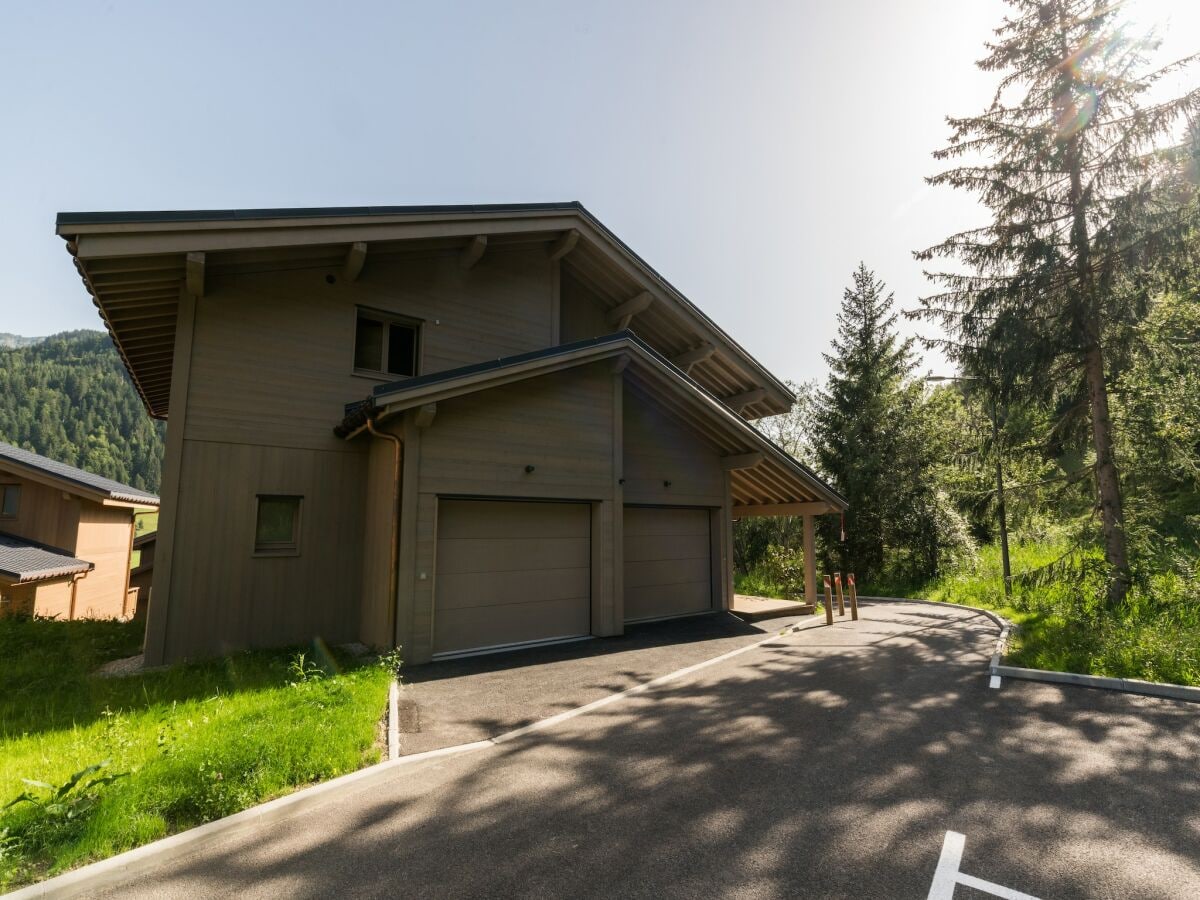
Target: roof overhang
137,266
77,488
23,561
761,473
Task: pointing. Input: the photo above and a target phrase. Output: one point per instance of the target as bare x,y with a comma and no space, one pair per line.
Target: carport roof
22,561
763,475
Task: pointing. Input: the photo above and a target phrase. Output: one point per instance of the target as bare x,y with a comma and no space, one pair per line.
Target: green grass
145,522
1064,626
192,743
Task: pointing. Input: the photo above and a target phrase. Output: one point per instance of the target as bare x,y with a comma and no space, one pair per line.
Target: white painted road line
947,874
995,682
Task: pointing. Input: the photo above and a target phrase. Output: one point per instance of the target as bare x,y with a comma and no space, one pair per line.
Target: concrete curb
1124,685
1100,682
107,872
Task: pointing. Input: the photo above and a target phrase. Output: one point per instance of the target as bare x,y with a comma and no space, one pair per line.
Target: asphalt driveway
828,763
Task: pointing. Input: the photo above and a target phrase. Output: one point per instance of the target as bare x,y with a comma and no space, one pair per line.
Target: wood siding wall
44,514
584,315
104,539
270,369
658,449
561,424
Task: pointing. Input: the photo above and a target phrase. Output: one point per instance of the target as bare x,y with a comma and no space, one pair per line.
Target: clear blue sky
753,152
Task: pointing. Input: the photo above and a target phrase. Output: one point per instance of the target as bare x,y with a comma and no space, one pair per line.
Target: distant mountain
68,397
13,341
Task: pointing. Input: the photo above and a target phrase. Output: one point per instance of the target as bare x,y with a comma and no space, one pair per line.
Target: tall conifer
1069,159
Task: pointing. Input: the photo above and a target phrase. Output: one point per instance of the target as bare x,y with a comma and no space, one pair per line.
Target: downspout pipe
393,569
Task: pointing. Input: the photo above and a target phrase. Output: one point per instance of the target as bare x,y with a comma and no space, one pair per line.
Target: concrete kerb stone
996,666
88,879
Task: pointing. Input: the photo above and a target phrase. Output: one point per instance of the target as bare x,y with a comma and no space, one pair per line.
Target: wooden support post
837,583
828,601
853,597
810,562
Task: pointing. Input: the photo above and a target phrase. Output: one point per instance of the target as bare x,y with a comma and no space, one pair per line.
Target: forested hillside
68,397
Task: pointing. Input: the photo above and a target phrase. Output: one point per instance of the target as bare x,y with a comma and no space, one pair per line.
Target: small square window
10,500
277,526
385,346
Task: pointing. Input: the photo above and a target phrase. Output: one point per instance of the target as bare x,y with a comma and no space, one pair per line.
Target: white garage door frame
712,573
510,645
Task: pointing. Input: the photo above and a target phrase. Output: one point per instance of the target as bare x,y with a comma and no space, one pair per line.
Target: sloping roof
23,560
778,479
78,478
135,265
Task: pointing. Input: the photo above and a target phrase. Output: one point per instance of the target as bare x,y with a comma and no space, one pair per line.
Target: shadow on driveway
829,763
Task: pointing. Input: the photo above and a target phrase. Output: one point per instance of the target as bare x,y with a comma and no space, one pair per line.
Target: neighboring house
65,539
452,429
141,576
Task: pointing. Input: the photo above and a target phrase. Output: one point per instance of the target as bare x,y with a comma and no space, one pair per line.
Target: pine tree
858,423
1068,159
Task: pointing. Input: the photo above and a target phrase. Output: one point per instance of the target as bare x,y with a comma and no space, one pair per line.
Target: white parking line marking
995,682
947,875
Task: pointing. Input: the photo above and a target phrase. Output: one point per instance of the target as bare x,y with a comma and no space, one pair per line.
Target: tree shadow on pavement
822,767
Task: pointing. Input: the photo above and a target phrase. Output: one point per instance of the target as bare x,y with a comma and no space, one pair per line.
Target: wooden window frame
388,319
279,548
4,486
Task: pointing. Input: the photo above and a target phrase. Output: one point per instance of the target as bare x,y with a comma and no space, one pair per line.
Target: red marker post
828,601
837,583
853,596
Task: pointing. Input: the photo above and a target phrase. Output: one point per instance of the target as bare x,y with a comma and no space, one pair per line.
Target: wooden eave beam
621,316
425,415
738,402
815,508
473,252
741,461
356,255
689,358
564,245
195,274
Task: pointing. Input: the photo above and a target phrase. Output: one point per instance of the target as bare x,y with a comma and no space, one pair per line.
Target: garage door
668,571
510,572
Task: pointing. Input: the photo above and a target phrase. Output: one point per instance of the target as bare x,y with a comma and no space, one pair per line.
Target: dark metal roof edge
407,384
125,217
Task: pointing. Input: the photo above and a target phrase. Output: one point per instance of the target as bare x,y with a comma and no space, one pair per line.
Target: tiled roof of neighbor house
22,560
96,483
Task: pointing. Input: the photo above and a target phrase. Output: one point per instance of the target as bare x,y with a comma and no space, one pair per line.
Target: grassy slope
1157,638
198,742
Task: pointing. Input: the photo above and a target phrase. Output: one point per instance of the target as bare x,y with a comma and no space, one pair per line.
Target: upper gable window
385,344
10,500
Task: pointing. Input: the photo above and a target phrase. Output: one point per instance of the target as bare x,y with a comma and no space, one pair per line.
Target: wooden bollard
828,601
853,596
837,583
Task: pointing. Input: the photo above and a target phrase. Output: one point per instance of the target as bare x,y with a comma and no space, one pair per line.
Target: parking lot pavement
865,760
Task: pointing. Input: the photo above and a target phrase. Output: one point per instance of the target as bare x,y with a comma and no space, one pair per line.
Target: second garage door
668,568
510,572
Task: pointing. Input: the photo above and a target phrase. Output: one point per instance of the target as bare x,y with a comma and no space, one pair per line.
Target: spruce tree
858,423
1069,160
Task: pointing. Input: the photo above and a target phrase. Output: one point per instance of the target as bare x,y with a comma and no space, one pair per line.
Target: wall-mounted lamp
666,484
528,469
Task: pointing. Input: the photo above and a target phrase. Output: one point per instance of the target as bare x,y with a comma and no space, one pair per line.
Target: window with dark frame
10,500
277,525
385,345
